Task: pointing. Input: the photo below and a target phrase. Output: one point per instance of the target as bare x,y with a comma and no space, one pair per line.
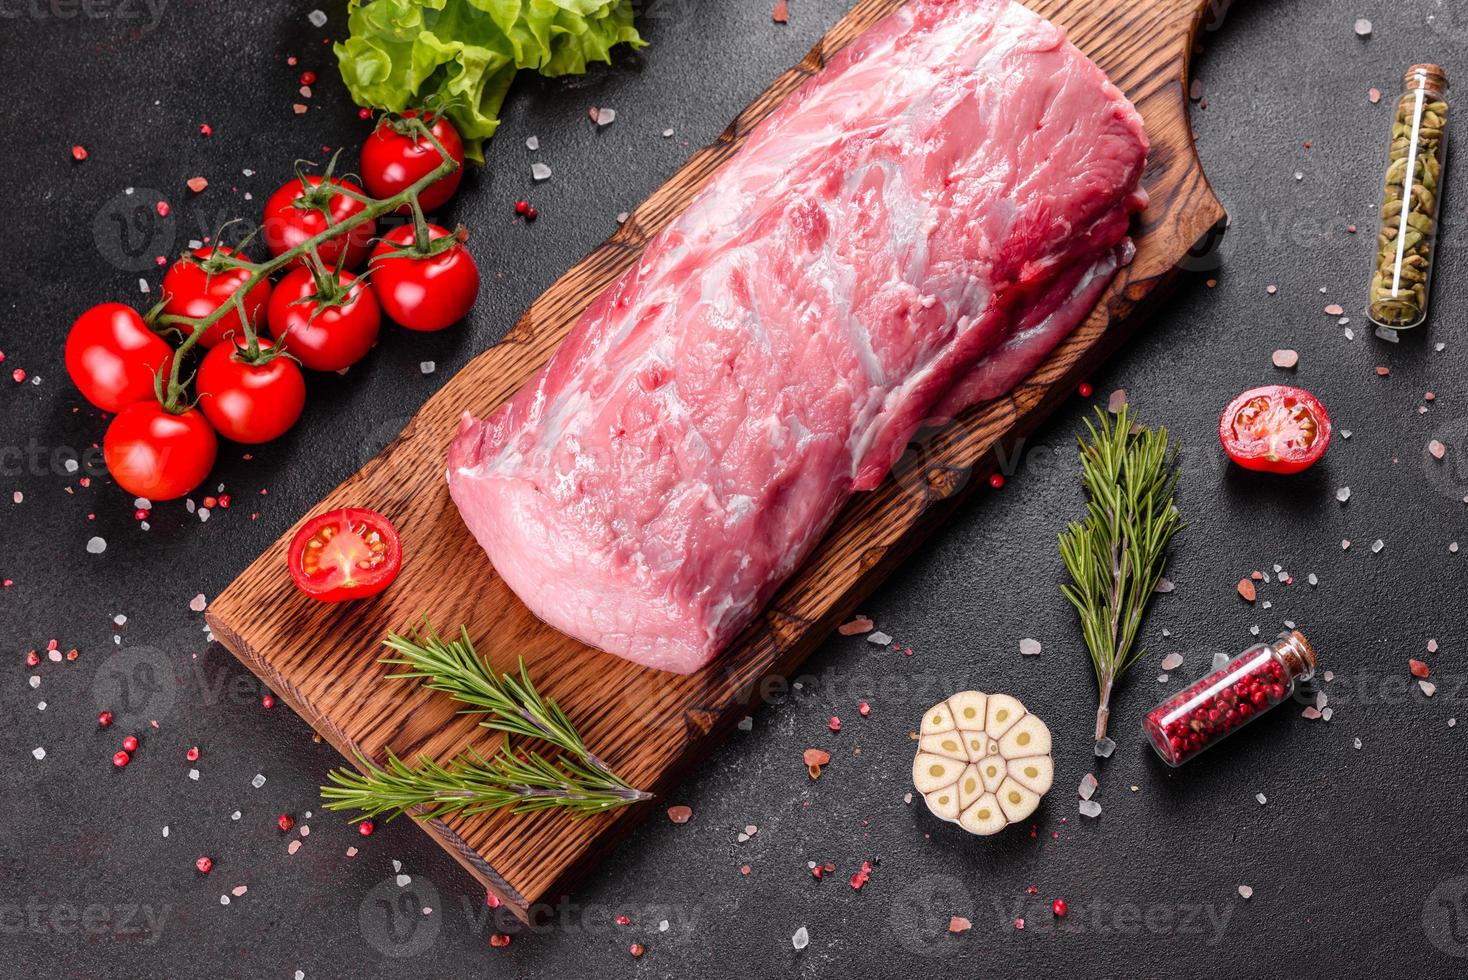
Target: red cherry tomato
345,554
196,290
155,454
424,293
1275,429
324,336
292,216
250,402
113,357
393,160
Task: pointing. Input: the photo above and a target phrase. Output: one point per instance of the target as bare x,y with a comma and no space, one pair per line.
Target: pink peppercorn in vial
1229,698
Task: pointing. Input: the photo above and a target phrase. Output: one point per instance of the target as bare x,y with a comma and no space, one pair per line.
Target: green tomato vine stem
173,395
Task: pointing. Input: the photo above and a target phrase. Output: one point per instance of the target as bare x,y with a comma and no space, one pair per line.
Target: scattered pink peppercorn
531,214
162,209
365,828
32,659
224,500
996,480
104,719
835,724
624,920
1059,908
78,153
636,949
367,114
285,822
1085,390
130,744
205,129
210,502
18,374
308,78
192,754
267,702
205,864
522,206
864,709
140,514
121,759
498,940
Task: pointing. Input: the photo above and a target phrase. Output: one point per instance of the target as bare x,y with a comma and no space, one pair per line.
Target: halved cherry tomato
350,553
294,214
247,402
427,293
196,289
393,159
112,356
1275,429
154,453
325,334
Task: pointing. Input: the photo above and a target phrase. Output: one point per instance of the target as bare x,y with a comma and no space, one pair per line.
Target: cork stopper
1431,78
1297,653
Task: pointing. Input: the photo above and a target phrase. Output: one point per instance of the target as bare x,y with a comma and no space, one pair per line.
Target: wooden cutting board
654,727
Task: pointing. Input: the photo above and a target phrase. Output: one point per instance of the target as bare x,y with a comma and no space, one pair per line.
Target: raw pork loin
910,233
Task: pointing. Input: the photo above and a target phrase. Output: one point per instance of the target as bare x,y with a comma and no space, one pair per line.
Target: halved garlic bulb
983,761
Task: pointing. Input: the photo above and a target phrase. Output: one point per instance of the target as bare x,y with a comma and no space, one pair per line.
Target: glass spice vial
1407,238
1216,706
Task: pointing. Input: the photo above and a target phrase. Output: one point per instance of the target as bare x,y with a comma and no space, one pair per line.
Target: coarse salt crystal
1428,687
1087,789
403,881
258,781
800,939
1172,661
1246,892
540,171
427,367
1104,747
1029,647
1363,27
1377,545
317,18
1285,358
96,546
1343,494
1261,798
198,602
532,142
39,753
879,638
1089,808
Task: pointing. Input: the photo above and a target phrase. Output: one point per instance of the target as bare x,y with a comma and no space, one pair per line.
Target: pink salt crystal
1311,712
1432,646
1437,449
1335,309
293,847
1374,94
1116,401
1285,358
1271,289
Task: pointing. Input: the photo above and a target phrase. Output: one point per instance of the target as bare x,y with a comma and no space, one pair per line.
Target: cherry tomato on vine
393,158
423,293
345,554
154,453
297,212
113,357
197,288
324,331
1275,429
250,402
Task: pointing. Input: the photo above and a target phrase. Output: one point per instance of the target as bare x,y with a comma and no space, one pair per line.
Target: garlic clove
1016,801
969,709
944,803
938,719
1029,736
992,770
1004,711
984,817
948,744
970,787
931,773
978,745
1035,773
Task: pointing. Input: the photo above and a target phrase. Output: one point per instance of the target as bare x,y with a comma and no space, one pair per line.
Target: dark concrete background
1356,860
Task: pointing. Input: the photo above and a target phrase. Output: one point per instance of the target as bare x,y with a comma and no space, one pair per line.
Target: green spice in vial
1409,212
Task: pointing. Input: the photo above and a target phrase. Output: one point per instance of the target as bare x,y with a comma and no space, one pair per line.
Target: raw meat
910,233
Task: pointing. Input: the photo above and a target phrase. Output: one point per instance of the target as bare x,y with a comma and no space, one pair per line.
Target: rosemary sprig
1116,555
520,779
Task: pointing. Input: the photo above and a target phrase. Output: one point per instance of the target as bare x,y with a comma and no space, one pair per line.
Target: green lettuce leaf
463,54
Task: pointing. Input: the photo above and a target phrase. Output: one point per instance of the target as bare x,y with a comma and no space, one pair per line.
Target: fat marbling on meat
908,234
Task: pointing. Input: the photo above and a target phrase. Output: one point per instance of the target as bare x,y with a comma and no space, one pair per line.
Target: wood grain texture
653,726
